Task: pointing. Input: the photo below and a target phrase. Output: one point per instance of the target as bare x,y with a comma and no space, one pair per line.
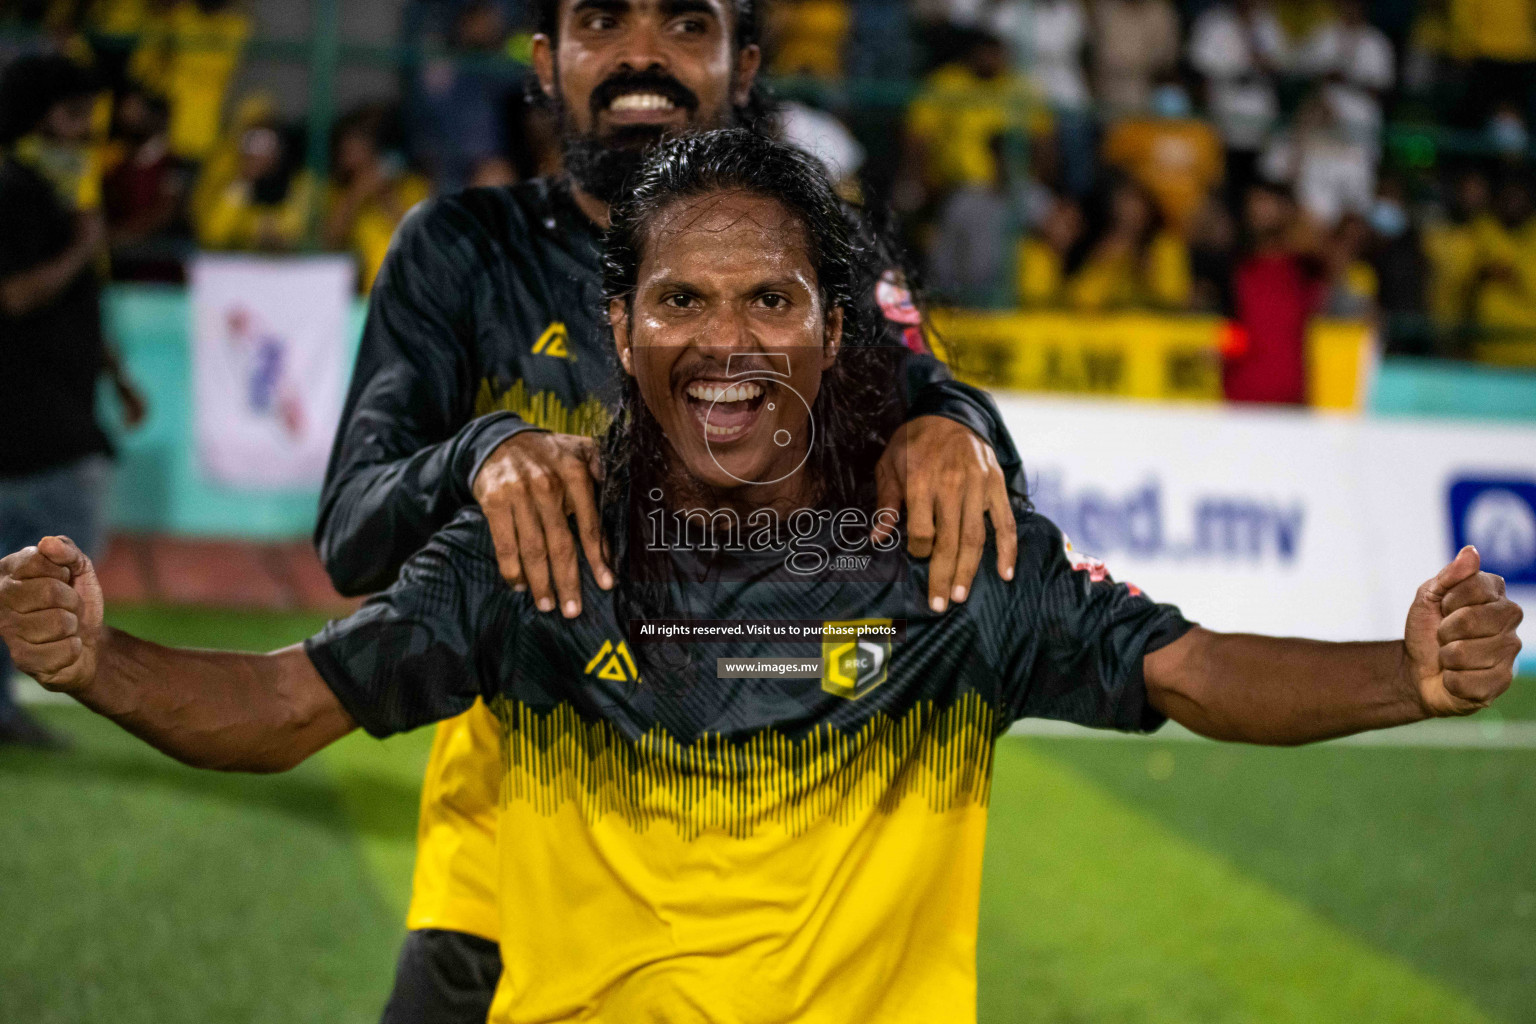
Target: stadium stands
1105,144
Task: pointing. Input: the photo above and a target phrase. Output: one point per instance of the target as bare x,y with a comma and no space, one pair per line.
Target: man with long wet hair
729,843
484,374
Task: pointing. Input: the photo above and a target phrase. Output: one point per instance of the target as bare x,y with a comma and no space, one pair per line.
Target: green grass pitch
1125,882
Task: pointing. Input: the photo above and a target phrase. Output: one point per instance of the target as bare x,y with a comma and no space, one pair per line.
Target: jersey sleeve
424,649
931,389
408,446
1080,637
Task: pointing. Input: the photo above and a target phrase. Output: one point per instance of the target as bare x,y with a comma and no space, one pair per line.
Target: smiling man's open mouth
725,410
631,100
641,101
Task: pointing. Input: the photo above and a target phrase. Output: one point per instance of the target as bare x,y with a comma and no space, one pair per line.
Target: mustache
728,365
649,80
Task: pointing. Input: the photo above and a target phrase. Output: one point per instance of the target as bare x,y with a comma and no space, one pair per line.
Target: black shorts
443,978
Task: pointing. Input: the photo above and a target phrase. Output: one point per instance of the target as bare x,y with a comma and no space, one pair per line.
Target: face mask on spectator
1388,218
1508,133
1170,101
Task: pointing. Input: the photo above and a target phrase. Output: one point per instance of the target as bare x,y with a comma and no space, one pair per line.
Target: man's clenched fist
527,487
50,613
1460,638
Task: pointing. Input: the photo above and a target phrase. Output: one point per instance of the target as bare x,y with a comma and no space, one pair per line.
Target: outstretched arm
1457,654
209,709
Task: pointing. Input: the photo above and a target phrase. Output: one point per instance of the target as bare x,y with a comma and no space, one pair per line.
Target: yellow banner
1135,355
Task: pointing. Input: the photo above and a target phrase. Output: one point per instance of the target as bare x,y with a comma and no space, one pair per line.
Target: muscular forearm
1259,689
213,709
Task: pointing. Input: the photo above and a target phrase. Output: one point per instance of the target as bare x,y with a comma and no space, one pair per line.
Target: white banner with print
1279,521
269,355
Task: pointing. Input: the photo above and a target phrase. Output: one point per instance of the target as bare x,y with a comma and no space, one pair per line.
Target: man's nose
727,331
642,48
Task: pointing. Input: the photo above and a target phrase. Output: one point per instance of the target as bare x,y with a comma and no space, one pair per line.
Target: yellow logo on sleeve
614,663
553,342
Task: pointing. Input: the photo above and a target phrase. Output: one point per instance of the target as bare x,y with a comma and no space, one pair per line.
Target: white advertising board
1282,521
269,355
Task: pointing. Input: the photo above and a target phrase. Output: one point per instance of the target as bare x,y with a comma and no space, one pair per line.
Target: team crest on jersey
613,662
554,342
852,667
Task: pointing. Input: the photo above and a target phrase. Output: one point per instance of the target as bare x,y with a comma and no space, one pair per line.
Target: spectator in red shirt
1276,290
145,184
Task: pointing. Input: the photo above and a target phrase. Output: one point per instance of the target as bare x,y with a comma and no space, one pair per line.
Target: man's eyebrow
601,6
672,8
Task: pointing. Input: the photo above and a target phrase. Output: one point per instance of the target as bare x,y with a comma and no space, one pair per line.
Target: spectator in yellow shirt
188,54
1044,252
1174,155
1136,262
1451,246
249,195
961,108
369,192
1501,293
809,37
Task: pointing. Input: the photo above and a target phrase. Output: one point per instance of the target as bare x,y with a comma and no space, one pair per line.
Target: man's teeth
641,101
720,393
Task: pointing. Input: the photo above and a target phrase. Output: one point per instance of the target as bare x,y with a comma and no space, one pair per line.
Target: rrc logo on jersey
852,667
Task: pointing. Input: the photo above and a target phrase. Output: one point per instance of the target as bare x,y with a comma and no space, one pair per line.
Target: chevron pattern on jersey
544,409
716,784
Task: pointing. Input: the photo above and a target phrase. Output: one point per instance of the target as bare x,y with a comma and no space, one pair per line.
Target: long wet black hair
859,403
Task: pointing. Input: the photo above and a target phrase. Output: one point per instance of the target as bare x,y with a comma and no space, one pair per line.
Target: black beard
603,166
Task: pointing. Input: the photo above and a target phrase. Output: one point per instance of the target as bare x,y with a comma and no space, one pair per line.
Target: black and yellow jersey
696,848
487,319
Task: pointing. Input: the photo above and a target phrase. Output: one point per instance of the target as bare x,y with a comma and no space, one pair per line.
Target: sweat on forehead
735,211
681,176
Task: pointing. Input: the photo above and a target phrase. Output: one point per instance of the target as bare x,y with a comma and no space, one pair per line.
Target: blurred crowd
1228,157
1253,158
